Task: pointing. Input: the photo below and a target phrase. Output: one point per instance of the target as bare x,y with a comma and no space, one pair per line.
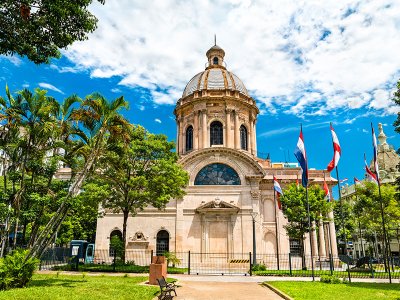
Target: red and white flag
356,181
371,174
336,151
376,166
327,192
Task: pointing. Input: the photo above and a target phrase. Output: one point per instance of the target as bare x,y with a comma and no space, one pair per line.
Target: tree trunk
124,224
303,254
48,233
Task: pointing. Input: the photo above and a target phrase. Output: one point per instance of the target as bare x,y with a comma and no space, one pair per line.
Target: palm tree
33,114
99,121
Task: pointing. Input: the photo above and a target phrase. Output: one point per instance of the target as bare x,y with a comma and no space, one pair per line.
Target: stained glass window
243,137
216,133
217,174
189,138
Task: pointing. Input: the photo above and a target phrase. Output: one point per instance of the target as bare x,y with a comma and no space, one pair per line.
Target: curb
276,291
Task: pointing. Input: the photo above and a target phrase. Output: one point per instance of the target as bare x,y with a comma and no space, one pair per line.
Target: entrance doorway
162,245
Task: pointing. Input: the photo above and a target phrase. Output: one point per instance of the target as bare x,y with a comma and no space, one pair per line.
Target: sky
304,62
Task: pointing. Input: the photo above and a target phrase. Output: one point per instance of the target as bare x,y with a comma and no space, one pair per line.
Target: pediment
217,206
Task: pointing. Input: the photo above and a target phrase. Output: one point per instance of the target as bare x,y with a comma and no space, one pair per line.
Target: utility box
158,269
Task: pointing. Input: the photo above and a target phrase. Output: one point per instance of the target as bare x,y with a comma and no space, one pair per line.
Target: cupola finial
215,39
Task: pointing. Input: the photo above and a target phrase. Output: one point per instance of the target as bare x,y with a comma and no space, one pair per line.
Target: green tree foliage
368,209
141,172
38,28
37,135
294,206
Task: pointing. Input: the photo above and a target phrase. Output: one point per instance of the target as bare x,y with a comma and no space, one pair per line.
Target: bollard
330,263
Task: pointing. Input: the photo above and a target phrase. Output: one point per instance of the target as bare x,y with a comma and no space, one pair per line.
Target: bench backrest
161,282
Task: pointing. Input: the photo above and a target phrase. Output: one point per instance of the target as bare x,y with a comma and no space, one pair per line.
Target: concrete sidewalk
211,290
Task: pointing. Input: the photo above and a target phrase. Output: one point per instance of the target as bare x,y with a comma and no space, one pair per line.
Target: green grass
53,287
324,291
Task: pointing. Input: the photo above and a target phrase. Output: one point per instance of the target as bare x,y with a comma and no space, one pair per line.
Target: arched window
215,60
162,243
243,137
217,174
189,138
115,235
216,133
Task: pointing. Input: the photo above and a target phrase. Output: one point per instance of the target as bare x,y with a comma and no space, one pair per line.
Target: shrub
15,270
259,268
333,279
172,259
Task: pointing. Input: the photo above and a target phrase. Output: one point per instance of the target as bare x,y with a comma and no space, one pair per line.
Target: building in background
229,184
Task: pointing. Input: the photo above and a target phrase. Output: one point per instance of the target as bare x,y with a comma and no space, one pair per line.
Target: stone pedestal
158,268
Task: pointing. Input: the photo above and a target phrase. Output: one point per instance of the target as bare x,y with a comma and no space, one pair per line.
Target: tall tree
38,28
100,122
141,173
368,209
294,206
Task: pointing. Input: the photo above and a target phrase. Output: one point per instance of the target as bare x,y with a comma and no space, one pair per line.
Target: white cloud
15,60
157,120
49,86
141,107
116,90
316,56
365,131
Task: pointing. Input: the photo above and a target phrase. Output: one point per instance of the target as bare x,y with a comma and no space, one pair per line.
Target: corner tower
215,110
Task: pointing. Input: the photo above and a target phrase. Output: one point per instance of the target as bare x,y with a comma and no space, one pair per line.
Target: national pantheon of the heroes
229,185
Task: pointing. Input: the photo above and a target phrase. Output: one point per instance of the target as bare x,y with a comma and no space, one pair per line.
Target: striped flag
336,151
376,166
278,190
300,153
343,180
327,192
371,175
356,181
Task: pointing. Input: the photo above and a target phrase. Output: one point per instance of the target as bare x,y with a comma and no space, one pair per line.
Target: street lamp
253,216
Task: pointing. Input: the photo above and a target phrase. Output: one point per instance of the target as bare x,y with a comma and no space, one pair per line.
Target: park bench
165,289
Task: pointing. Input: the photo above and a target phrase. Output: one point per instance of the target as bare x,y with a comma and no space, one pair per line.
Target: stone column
196,131
236,134
250,137
177,136
228,129
314,239
204,128
254,138
321,233
332,235
180,138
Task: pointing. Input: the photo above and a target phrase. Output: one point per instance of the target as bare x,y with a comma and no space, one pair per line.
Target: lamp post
253,216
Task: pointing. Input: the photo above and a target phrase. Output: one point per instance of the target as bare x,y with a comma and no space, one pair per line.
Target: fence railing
196,263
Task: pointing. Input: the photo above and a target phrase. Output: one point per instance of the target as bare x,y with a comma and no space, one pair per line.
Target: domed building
230,189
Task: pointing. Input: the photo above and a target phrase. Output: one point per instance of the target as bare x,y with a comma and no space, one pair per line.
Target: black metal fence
195,263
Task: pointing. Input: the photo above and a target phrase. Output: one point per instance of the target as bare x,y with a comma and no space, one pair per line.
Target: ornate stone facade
228,186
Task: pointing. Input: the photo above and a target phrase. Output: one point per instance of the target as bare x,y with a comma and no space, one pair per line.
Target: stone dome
215,76
214,79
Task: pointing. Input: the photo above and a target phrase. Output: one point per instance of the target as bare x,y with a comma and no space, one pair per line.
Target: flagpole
276,226
385,244
309,234
341,212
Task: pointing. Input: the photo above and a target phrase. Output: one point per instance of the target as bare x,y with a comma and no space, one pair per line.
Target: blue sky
307,63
